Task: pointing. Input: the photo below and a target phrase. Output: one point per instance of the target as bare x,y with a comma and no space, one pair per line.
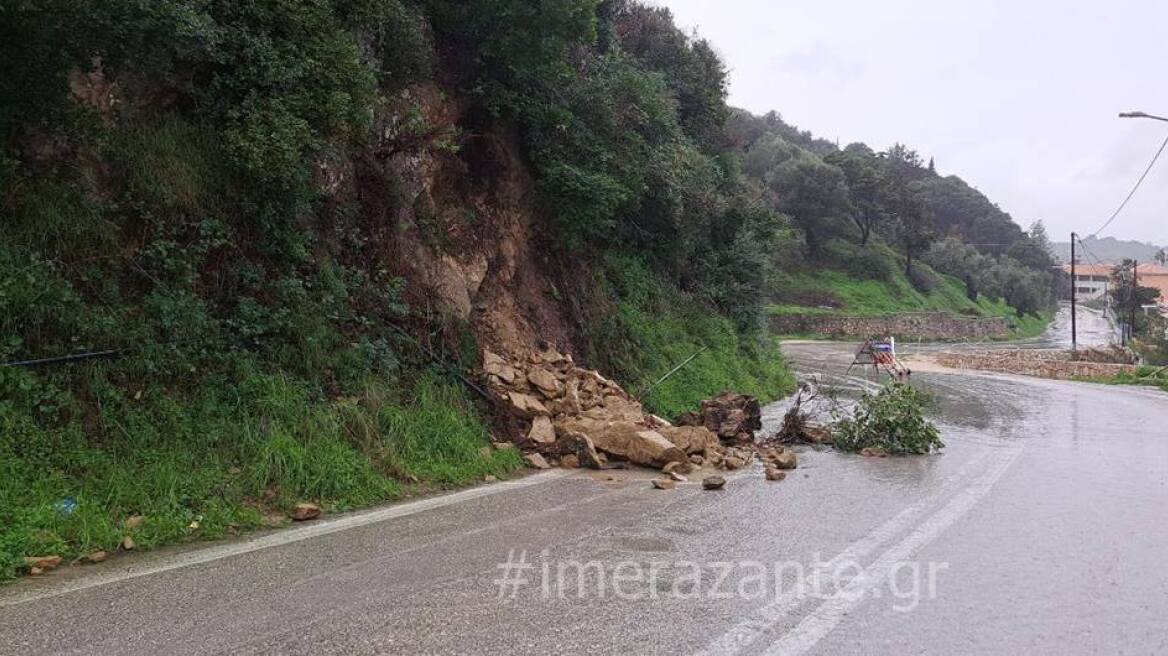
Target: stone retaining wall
909,325
1053,364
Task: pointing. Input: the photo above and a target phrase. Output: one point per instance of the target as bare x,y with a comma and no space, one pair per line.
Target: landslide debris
733,417
570,416
566,410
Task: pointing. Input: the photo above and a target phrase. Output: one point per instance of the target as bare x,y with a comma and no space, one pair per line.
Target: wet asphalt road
1041,528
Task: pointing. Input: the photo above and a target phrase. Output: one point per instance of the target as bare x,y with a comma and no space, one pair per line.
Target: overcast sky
1018,97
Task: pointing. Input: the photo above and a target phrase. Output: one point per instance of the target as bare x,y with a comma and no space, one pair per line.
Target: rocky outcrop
566,409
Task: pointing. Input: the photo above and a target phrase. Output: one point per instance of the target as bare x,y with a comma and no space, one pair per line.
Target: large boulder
544,381
542,431
526,406
622,408
625,439
731,416
579,446
691,439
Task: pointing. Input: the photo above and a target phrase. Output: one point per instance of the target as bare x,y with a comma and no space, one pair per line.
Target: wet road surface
1041,528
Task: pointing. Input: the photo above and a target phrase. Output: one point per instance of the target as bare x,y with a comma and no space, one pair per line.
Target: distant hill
1109,249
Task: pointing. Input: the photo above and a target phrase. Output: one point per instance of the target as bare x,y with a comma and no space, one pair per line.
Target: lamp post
1142,115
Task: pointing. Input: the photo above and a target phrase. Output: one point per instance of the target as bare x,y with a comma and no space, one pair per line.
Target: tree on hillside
913,227
904,164
958,259
766,154
815,195
1033,249
689,65
516,41
867,188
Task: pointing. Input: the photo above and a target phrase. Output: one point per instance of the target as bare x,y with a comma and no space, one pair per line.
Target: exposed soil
460,224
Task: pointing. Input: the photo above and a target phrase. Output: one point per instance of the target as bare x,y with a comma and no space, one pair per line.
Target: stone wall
909,325
1055,364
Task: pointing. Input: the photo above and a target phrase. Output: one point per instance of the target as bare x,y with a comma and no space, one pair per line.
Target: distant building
1155,276
1091,281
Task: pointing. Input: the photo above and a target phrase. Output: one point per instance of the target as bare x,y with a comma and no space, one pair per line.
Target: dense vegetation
840,199
161,198
181,225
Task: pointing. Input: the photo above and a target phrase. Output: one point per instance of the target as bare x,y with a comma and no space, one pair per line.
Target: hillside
876,286
1109,249
265,237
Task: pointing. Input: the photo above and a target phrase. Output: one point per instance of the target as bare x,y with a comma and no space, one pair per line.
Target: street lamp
1142,115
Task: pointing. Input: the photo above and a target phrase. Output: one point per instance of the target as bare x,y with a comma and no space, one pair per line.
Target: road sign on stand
881,356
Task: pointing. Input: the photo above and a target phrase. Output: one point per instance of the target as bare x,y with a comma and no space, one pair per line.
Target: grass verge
1145,376
221,460
652,327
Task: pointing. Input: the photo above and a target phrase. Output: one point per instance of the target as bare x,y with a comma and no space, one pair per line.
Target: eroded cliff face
448,202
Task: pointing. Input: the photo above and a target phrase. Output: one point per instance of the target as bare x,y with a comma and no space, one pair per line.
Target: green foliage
892,420
204,465
1151,375
815,195
868,281
282,80
690,67
600,150
893,196
515,45
653,327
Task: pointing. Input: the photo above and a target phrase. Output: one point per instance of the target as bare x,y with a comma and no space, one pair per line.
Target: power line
1098,261
1134,189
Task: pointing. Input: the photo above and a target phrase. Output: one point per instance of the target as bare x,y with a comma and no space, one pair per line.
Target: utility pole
1134,296
1074,305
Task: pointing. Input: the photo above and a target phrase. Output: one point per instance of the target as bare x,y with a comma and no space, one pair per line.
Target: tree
1025,290
913,225
867,188
893,420
815,195
1033,249
958,259
1128,297
690,67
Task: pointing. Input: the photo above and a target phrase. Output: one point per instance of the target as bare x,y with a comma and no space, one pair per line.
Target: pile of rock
777,461
733,417
574,417
575,414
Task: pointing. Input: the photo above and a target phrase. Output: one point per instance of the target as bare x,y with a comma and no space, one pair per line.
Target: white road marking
831,612
745,632
287,536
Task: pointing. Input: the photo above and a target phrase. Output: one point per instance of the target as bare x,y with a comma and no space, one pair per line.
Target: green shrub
892,420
